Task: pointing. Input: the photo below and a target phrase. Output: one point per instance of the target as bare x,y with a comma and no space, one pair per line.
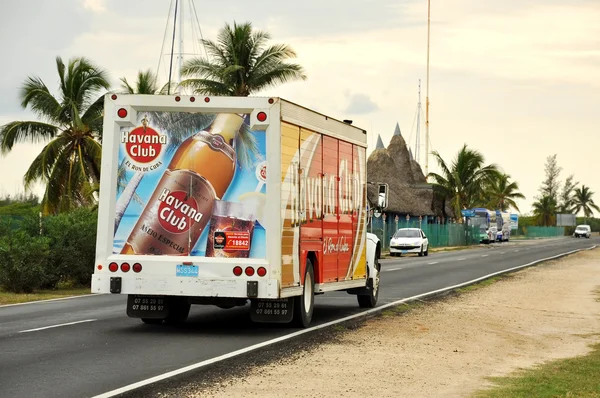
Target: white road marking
516,251
290,336
484,255
502,252
461,259
57,326
391,269
435,262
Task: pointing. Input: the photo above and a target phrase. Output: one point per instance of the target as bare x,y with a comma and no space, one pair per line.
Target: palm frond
35,95
180,125
19,132
42,166
246,147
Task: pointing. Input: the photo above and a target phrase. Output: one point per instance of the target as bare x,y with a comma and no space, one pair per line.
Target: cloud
361,104
517,72
94,5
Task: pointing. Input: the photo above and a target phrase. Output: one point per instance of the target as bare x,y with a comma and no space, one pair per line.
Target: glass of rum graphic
231,230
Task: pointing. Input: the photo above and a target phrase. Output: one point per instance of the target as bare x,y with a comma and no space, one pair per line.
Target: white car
409,240
583,230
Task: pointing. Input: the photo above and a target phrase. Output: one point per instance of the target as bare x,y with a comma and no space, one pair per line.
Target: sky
517,80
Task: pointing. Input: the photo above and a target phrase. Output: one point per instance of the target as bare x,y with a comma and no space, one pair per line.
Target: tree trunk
126,197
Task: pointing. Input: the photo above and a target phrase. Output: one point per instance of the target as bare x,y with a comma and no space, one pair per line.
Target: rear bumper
186,286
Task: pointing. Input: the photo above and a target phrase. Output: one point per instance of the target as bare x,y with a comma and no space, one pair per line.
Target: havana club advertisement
191,184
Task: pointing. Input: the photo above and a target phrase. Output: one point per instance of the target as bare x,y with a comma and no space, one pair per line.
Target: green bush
23,261
72,246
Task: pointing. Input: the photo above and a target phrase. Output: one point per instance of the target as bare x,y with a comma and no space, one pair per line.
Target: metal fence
439,235
541,232
451,235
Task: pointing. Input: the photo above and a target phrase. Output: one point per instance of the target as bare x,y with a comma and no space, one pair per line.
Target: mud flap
272,311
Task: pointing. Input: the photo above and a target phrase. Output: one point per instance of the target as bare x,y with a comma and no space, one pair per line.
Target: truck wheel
179,309
304,304
370,300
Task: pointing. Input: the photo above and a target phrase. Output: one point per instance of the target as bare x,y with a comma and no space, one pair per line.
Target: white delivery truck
230,200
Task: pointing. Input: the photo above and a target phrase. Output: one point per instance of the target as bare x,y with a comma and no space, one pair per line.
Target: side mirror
383,196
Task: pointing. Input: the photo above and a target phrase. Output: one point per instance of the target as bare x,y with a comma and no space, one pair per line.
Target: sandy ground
449,347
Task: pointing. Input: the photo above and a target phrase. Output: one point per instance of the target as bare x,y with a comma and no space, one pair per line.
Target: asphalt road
98,348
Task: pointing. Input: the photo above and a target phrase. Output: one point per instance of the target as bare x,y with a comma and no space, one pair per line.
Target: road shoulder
449,347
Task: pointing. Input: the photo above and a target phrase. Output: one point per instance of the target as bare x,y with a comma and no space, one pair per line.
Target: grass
572,377
482,284
402,308
16,298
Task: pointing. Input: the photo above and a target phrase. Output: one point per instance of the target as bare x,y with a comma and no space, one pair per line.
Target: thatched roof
379,143
395,166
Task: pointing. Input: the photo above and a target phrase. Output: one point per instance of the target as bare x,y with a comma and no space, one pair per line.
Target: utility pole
418,140
427,96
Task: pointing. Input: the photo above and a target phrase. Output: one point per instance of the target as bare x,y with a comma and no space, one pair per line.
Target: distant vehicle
488,224
583,230
409,240
504,230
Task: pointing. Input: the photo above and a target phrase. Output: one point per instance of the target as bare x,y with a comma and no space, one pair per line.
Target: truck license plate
276,311
186,270
147,306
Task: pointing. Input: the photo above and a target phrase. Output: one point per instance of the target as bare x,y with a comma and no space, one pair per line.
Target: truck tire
179,309
305,303
370,300
152,321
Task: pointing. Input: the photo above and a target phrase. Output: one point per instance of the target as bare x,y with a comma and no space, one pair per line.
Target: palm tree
503,193
462,182
583,202
72,123
544,210
239,64
146,83
566,196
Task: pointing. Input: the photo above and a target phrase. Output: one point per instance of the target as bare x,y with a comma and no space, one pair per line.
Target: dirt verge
446,348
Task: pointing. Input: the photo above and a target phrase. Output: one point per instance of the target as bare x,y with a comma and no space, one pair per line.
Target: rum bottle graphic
200,172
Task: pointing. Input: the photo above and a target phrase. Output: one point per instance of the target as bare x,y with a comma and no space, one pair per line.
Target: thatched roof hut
396,166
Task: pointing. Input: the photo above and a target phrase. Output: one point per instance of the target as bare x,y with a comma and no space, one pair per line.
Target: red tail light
261,116
113,267
237,271
262,271
125,267
137,267
249,271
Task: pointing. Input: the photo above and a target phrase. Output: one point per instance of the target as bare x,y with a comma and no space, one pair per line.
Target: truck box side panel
323,124
290,241
359,221
345,244
311,199
330,209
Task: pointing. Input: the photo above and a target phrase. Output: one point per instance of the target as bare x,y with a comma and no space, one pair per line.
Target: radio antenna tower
180,27
418,139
